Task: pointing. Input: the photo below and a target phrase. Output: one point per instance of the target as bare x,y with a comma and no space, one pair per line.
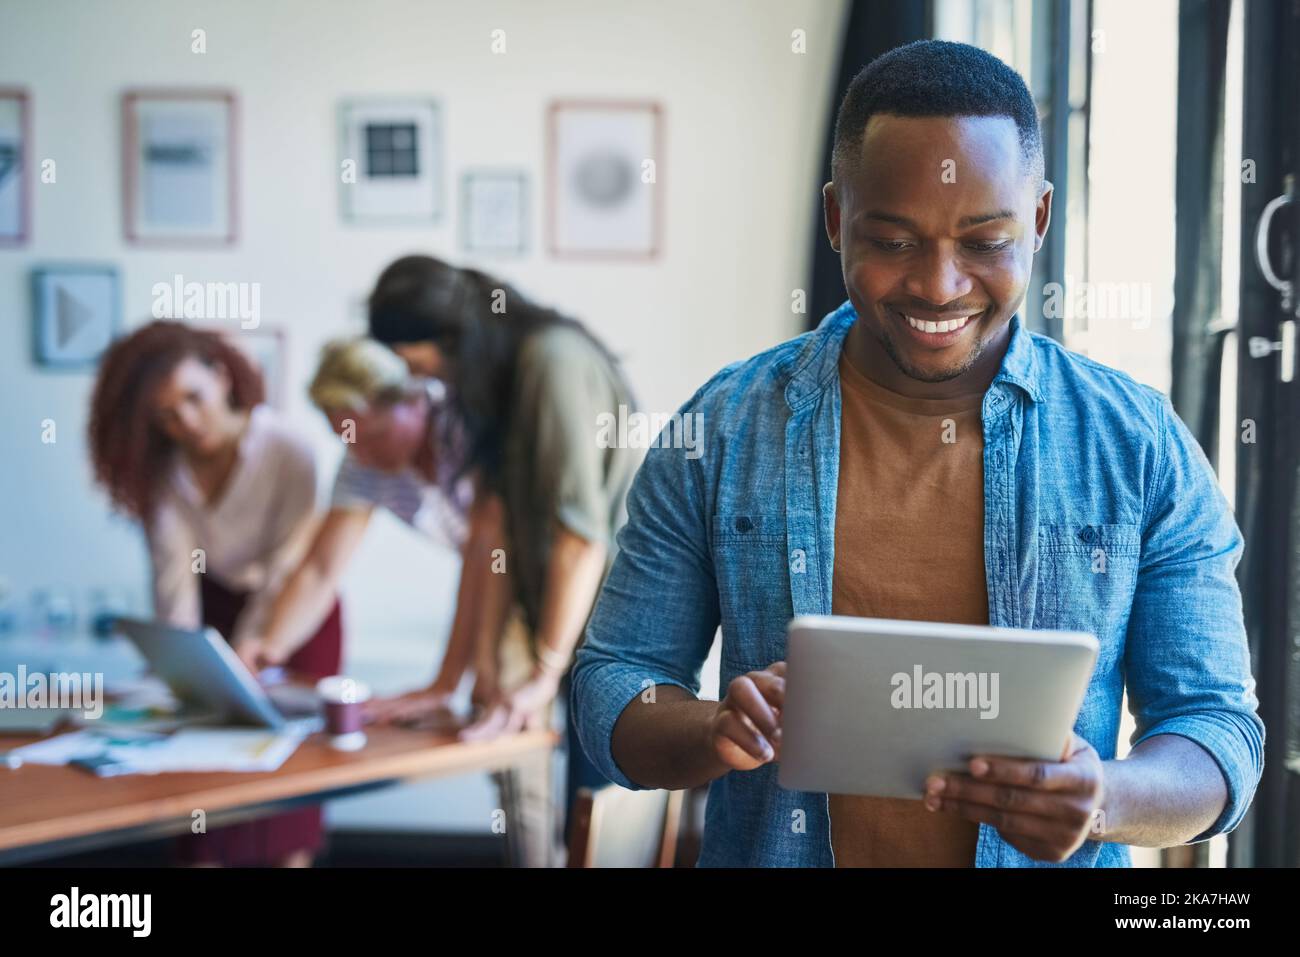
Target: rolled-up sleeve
656,616
1187,658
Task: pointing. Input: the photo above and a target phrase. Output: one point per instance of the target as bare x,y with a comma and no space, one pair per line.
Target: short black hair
937,78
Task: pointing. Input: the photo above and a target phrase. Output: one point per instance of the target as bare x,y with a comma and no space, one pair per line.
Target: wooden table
50,811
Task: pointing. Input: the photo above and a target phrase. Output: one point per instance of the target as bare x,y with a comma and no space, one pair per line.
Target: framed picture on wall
604,179
267,348
179,160
15,174
390,161
494,211
76,312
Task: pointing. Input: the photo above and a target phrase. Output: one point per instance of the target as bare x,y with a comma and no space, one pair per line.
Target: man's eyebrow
966,222
882,216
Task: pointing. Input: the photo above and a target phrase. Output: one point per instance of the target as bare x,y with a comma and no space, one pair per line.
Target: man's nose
938,278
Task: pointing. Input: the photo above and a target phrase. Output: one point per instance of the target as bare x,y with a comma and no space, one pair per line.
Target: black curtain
1198,336
1198,242
1268,506
871,28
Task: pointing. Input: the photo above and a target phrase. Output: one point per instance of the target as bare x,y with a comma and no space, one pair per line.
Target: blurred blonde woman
407,453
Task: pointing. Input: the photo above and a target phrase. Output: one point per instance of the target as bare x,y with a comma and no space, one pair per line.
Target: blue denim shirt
1077,457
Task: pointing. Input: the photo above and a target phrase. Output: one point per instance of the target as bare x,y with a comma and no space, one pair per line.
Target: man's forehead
967,161
901,146
997,133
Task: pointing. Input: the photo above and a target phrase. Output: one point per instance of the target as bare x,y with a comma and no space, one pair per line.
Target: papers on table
220,749
190,749
75,745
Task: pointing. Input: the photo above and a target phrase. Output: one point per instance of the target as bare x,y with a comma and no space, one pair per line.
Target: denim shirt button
744,523
1088,534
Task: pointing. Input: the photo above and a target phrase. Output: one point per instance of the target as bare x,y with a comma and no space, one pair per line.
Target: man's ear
831,213
1042,215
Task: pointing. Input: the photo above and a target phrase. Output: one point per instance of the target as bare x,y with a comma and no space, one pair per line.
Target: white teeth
947,325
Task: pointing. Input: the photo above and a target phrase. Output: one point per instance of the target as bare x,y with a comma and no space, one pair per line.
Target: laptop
209,680
874,706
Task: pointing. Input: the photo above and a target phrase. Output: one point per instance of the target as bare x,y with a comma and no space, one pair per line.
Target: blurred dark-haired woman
182,441
533,388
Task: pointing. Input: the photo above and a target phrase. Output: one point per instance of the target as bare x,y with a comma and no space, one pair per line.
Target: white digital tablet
874,706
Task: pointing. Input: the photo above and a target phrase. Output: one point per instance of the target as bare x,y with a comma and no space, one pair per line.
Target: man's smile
935,330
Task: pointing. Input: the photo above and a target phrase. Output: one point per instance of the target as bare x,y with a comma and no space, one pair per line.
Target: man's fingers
1077,743
745,696
1016,800
1043,775
738,729
771,686
1048,831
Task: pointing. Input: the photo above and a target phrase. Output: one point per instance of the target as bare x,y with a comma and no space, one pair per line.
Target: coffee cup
344,701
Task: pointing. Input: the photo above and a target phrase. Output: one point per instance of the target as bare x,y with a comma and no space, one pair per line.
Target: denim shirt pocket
1087,574
753,578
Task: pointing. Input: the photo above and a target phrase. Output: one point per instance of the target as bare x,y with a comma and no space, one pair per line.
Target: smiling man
921,455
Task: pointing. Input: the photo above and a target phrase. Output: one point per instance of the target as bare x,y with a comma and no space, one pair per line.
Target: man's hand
745,732
1044,809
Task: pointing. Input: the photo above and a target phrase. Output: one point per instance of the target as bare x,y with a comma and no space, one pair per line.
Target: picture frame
494,212
267,347
391,160
76,313
15,167
179,163
598,204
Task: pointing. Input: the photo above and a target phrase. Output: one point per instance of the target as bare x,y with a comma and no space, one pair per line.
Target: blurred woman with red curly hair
226,493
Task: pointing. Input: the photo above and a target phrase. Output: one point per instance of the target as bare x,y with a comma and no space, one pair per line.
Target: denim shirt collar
815,366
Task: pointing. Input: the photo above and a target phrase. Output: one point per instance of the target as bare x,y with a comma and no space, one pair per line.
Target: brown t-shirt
909,543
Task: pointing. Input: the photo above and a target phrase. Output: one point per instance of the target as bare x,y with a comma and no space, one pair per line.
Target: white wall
744,122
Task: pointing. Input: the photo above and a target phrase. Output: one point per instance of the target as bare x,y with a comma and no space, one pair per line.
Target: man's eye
989,247
891,245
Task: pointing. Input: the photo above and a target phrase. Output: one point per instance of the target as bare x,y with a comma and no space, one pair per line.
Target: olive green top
556,472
